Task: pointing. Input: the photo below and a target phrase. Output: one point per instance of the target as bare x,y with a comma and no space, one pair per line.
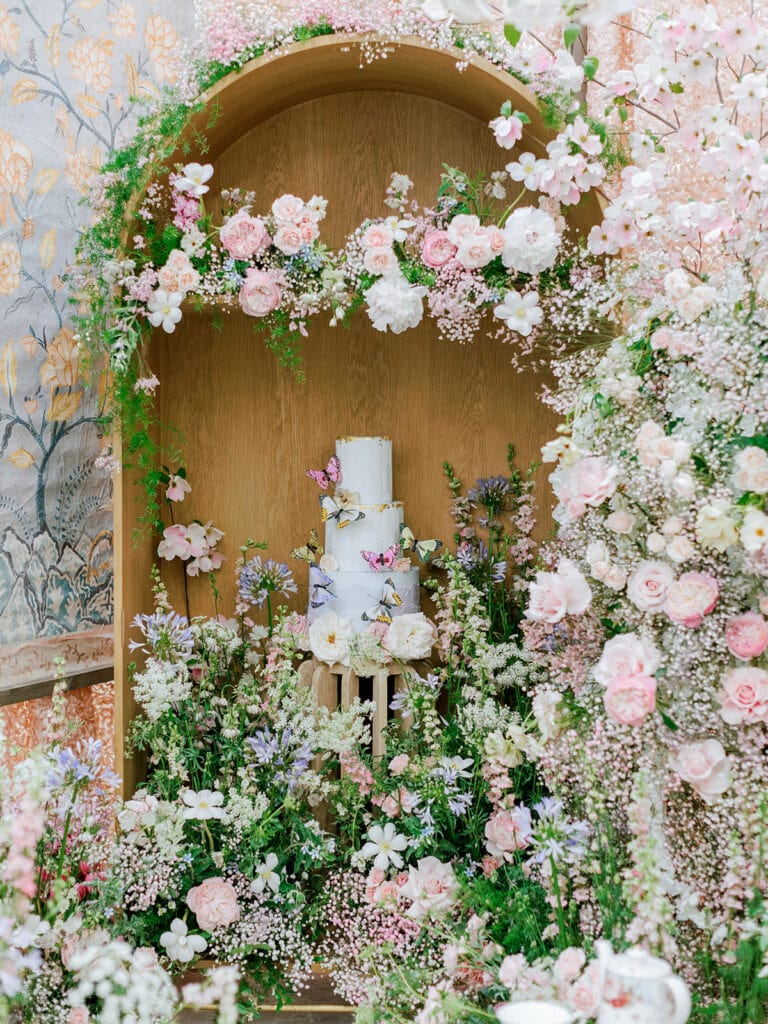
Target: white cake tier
358,592
378,531
366,467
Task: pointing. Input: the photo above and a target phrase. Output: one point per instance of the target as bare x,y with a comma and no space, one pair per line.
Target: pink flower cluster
194,544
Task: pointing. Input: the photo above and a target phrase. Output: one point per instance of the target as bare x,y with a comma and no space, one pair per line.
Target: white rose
684,485
655,542
620,522
647,586
680,549
329,638
410,637
597,552
394,304
705,766
615,578
677,285
626,655
754,530
752,470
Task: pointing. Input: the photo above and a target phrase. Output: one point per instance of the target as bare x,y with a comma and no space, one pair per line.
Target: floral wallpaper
73,75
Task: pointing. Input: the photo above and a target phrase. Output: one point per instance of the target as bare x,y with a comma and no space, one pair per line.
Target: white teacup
534,1011
642,989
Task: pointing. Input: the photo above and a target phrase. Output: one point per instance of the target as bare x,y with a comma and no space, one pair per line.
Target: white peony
329,638
395,305
410,637
531,241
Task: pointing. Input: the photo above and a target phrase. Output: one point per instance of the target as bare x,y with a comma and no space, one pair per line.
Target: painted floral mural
73,74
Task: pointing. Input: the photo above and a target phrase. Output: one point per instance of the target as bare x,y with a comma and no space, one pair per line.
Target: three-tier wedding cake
363,573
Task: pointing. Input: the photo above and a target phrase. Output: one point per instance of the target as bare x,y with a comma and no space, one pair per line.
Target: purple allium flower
167,634
491,492
288,760
259,579
555,837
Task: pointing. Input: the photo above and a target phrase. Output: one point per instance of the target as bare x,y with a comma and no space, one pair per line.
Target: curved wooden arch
264,90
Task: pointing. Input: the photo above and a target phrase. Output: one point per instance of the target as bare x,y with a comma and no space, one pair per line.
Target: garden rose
745,696
569,963
410,637
626,655
462,226
647,586
259,294
380,259
584,995
690,598
431,886
630,699
288,208
620,522
244,236
474,251
437,249
377,236
288,239
704,766
752,470
329,638
214,904
507,831
587,483
553,595
511,968
747,635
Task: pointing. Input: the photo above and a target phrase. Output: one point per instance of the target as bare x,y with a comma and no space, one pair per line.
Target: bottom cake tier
355,594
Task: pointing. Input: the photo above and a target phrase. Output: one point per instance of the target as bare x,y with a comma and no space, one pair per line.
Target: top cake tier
366,468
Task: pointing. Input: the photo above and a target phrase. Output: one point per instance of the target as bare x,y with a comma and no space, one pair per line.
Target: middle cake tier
351,594
378,531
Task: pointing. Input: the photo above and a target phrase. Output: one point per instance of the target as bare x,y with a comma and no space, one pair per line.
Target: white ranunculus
329,638
410,637
531,241
395,305
626,655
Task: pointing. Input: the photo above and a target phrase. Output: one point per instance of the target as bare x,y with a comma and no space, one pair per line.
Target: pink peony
437,249
626,655
747,635
244,236
648,584
506,831
745,696
690,598
553,595
214,904
629,699
259,294
704,766
588,483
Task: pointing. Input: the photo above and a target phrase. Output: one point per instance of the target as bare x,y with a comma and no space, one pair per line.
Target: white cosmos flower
754,530
384,845
266,876
203,805
193,179
520,312
164,309
179,945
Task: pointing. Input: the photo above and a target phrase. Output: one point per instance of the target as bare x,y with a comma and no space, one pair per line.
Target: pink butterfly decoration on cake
330,475
380,561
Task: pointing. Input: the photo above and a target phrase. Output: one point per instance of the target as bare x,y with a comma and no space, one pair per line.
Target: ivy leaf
513,35
590,66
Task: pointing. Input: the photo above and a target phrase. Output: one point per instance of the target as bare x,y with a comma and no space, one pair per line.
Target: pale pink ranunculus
626,655
288,239
288,208
630,699
377,236
705,766
745,696
380,259
244,236
569,963
747,635
432,888
553,595
214,904
690,598
260,294
647,586
588,483
507,831
437,249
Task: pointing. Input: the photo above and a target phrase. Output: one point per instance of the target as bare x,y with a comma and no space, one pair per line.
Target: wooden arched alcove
312,121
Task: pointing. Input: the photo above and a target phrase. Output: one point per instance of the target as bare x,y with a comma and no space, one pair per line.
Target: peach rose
704,766
747,635
259,294
630,699
647,586
379,259
437,249
690,598
377,236
507,831
214,904
243,236
288,239
745,696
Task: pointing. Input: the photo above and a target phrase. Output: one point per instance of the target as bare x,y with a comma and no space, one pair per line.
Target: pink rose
745,697
506,831
380,259
511,968
259,294
569,963
588,483
288,208
648,584
553,595
431,886
629,699
78,1015
496,239
243,236
747,635
288,239
585,994
474,251
437,249
704,766
690,598
626,655
309,231
377,236
214,904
